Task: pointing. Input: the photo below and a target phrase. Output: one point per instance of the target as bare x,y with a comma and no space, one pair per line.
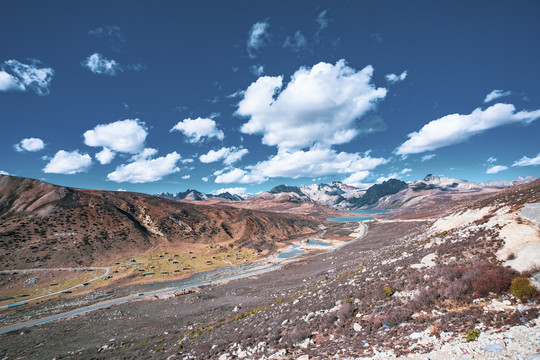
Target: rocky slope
46,225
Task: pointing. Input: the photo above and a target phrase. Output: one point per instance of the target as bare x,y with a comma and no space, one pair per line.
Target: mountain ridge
45,224
345,197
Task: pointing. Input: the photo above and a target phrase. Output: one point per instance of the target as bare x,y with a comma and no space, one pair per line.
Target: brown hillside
47,225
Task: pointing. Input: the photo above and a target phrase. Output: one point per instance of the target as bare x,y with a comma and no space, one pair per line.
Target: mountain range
345,197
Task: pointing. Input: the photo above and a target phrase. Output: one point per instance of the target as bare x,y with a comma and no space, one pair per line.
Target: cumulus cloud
393,78
16,76
69,163
319,106
9,83
526,161
147,153
258,36
456,128
185,177
495,169
311,163
491,159
2,172
105,156
98,64
229,155
428,157
205,179
127,136
197,129
495,94
297,42
233,191
144,169
30,144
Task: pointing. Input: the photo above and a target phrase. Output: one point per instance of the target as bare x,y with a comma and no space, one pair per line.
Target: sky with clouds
242,96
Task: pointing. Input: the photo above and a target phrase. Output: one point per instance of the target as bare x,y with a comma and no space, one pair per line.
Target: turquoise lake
317,242
294,252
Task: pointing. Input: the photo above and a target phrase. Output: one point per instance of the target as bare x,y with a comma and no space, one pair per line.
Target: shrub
472,335
387,291
522,289
494,280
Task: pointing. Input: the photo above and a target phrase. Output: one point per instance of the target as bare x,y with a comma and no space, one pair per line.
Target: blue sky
164,96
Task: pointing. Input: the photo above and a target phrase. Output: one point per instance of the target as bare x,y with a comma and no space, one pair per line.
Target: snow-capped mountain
342,196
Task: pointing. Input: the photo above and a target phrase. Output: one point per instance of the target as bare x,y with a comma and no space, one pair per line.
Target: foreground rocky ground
414,287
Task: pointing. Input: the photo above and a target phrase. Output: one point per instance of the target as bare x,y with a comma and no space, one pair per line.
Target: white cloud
456,128
393,78
257,37
30,144
311,163
16,76
491,159
146,170
98,64
404,171
122,136
185,177
495,94
187,161
146,154
105,156
319,106
495,169
526,161
233,191
205,179
197,129
69,163
2,172
356,178
297,42
428,157
257,70
9,83
229,155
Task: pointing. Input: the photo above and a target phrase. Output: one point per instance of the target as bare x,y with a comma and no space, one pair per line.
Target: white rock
357,327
